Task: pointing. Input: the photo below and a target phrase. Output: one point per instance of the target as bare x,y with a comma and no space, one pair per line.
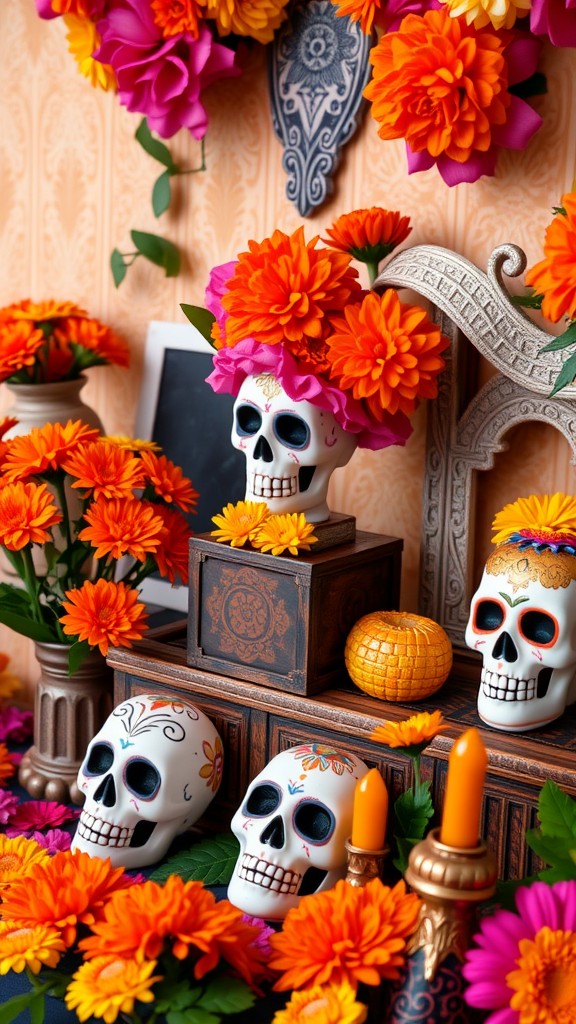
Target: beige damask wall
73,182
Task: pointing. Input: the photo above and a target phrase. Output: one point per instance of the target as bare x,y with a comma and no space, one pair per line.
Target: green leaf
530,300
201,318
227,996
157,150
179,996
559,873
557,812
118,267
566,375
210,861
78,654
161,194
28,627
158,250
412,813
194,1015
37,1009
568,337
17,1004
553,851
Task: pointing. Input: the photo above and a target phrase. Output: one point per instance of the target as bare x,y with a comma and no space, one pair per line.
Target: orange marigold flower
440,84
368,12
44,448
168,481
288,532
173,18
145,919
67,890
284,290
123,527
17,856
30,948
108,986
104,470
258,19
27,513
415,732
554,277
102,341
133,444
345,935
368,235
106,614
6,424
7,766
172,556
49,309
20,342
387,353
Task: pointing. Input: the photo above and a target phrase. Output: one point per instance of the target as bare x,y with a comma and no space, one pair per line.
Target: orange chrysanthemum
387,353
67,890
102,341
168,481
109,986
28,948
48,309
17,857
173,18
417,731
132,444
554,277
106,614
439,84
544,984
104,470
9,683
27,514
7,766
257,19
368,12
6,424
145,919
284,290
122,527
172,556
20,342
368,235
43,448
238,524
346,934
288,532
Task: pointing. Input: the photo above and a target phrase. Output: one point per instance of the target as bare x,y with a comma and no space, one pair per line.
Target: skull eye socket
291,430
142,778
313,822
100,758
539,627
262,801
488,616
248,420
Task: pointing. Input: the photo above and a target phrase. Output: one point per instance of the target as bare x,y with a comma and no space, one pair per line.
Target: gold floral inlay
551,569
268,385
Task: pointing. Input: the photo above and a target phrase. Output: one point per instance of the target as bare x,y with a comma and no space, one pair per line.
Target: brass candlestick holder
364,865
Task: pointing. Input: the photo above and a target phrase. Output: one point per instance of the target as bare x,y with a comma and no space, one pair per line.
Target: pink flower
8,804
486,968
555,19
262,940
161,78
216,288
39,814
15,724
54,840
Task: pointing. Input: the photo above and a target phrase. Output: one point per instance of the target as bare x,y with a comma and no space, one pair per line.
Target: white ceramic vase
57,402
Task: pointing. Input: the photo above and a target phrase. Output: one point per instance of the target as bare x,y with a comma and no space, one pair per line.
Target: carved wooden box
282,621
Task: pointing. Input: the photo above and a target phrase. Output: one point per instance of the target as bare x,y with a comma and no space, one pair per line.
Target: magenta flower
15,724
55,840
262,940
517,955
161,78
8,804
39,814
555,19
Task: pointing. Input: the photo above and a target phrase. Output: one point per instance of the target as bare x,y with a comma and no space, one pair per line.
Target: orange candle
464,790
370,812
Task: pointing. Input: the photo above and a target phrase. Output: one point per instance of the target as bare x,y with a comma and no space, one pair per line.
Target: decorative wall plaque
318,69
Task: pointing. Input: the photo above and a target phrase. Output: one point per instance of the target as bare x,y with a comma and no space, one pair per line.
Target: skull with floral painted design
149,774
291,448
292,827
523,622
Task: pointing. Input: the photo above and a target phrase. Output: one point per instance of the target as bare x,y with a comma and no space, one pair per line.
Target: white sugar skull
292,826
291,448
523,622
150,773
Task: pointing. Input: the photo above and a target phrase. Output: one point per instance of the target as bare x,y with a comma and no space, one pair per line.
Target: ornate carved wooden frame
466,430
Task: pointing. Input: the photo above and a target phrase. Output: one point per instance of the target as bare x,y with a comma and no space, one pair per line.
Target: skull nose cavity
273,834
505,648
106,792
263,450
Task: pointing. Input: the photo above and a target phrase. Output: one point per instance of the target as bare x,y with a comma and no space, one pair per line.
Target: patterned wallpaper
73,183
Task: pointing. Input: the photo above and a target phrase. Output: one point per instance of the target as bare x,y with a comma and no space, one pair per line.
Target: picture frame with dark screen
192,425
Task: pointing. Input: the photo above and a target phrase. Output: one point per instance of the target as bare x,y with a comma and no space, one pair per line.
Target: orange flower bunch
135,942
42,342
96,509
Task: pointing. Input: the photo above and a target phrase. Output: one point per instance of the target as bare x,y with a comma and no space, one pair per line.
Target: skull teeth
502,687
269,876
103,833
274,486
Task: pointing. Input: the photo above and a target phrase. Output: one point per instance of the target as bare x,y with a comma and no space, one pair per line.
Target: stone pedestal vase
68,712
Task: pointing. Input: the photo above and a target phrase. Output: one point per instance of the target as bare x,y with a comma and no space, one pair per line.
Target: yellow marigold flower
323,1004
27,513
555,276
544,983
369,234
28,948
345,935
7,766
108,986
387,353
257,19
173,18
417,731
122,527
238,524
43,448
16,858
288,532
498,13
83,40
104,470
106,614
168,481
543,516
20,341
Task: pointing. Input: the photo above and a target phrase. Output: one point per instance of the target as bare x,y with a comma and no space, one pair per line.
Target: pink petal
522,123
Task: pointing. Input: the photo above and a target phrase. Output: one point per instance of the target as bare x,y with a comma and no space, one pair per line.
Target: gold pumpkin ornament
398,656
